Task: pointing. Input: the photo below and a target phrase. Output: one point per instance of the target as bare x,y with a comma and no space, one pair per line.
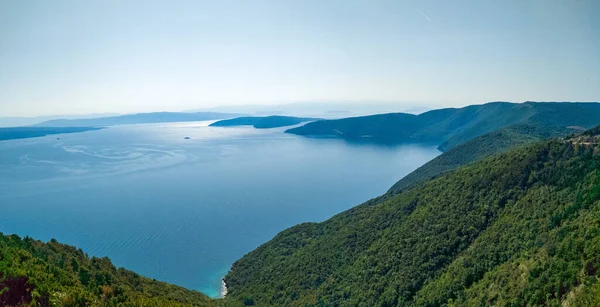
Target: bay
183,210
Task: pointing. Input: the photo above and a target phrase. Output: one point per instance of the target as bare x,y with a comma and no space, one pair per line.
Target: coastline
223,289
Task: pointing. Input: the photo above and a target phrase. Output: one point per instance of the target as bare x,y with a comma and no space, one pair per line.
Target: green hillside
33,273
516,229
478,148
450,127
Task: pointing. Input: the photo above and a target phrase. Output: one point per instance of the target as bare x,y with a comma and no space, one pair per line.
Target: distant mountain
324,109
262,122
452,126
31,132
141,118
481,147
521,228
28,121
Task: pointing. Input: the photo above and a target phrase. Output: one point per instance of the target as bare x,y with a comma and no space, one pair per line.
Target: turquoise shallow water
183,211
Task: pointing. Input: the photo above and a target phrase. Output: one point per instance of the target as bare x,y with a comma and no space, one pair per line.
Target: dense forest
453,126
517,229
481,147
33,273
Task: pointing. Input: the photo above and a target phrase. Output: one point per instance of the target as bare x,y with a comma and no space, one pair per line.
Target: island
263,122
11,133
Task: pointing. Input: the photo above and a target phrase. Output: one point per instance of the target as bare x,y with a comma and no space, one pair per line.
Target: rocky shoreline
223,288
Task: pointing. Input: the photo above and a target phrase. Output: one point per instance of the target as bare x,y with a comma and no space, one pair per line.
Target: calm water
183,211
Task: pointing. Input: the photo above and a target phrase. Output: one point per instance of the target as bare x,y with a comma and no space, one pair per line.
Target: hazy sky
127,56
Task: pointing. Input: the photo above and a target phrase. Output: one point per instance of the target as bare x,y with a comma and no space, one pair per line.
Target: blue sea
183,210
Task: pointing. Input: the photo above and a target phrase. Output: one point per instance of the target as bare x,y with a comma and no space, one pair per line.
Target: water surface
183,211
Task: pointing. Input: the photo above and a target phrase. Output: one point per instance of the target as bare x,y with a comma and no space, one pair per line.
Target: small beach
223,288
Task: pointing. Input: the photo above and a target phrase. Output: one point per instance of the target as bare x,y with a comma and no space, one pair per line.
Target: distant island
263,122
16,121
140,118
32,132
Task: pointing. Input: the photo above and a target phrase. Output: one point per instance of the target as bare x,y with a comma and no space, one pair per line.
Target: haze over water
182,211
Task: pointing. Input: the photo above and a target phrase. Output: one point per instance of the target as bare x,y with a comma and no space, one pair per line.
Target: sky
75,57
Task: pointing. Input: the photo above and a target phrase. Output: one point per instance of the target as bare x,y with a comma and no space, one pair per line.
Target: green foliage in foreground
33,273
517,229
478,148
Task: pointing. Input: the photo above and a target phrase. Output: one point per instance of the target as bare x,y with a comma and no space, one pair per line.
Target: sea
180,202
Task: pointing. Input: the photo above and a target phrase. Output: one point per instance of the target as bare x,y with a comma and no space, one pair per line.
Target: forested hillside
481,147
520,228
33,273
450,127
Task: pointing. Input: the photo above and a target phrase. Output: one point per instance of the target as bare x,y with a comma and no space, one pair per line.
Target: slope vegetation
478,148
53,274
450,127
520,228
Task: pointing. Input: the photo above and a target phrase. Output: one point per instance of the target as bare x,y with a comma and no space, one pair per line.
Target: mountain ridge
449,127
